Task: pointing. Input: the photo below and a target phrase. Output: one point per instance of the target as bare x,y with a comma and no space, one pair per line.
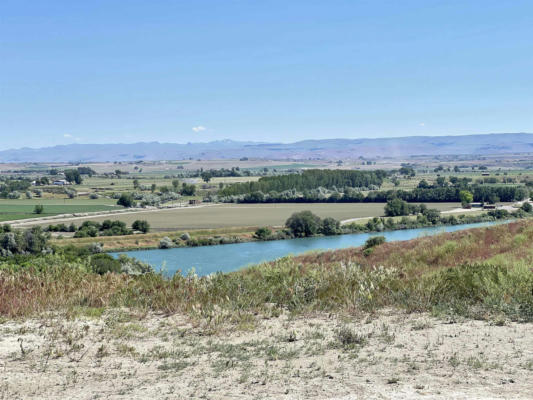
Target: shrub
527,207
125,200
71,193
368,252
96,248
165,243
141,225
348,338
131,266
185,236
104,263
263,233
330,226
94,196
374,241
38,209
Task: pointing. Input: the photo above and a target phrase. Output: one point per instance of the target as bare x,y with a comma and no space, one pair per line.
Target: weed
348,338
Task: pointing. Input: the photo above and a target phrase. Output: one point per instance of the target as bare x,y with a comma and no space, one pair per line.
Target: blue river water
231,257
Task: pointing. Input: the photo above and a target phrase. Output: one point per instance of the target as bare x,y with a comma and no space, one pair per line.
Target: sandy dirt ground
122,355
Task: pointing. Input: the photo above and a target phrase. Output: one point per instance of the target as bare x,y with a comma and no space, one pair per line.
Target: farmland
22,209
246,215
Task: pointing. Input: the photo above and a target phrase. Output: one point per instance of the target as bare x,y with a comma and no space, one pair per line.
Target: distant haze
317,149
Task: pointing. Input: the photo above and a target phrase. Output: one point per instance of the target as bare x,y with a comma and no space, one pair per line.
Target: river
231,257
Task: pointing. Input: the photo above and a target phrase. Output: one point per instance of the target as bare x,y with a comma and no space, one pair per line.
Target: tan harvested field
390,355
234,215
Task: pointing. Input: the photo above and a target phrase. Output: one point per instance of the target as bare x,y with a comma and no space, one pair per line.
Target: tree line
308,179
484,193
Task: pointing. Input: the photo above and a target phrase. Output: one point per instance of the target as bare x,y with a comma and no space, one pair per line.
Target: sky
196,71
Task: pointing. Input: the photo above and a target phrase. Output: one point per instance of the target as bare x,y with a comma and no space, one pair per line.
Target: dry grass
413,276
506,244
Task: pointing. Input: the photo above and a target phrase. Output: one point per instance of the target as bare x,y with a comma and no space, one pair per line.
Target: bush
527,207
141,225
104,263
131,266
94,196
96,248
125,200
263,233
31,241
330,226
71,193
166,243
38,209
374,241
185,236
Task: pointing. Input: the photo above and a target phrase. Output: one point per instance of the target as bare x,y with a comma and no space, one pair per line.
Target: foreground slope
448,316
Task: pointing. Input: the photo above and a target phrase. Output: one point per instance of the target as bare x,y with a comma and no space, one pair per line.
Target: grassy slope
506,245
413,276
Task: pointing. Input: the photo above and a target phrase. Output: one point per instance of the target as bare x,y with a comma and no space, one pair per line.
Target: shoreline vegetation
211,237
479,273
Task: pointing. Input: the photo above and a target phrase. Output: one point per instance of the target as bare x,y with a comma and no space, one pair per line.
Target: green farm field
23,208
247,215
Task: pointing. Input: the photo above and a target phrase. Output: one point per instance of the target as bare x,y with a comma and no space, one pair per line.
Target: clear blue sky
179,71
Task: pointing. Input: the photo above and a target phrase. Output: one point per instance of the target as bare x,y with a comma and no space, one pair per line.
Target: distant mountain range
308,149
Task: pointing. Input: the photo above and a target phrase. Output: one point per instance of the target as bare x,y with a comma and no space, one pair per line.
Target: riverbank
439,317
233,257
211,237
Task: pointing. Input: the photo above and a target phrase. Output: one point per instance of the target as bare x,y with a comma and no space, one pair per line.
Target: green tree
38,209
441,181
432,215
396,207
126,200
176,184
206,176
141,225
188,190
466,197
73,176
330,226
527,207
303,223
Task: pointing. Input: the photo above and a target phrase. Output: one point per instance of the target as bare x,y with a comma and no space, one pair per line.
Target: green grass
23,208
